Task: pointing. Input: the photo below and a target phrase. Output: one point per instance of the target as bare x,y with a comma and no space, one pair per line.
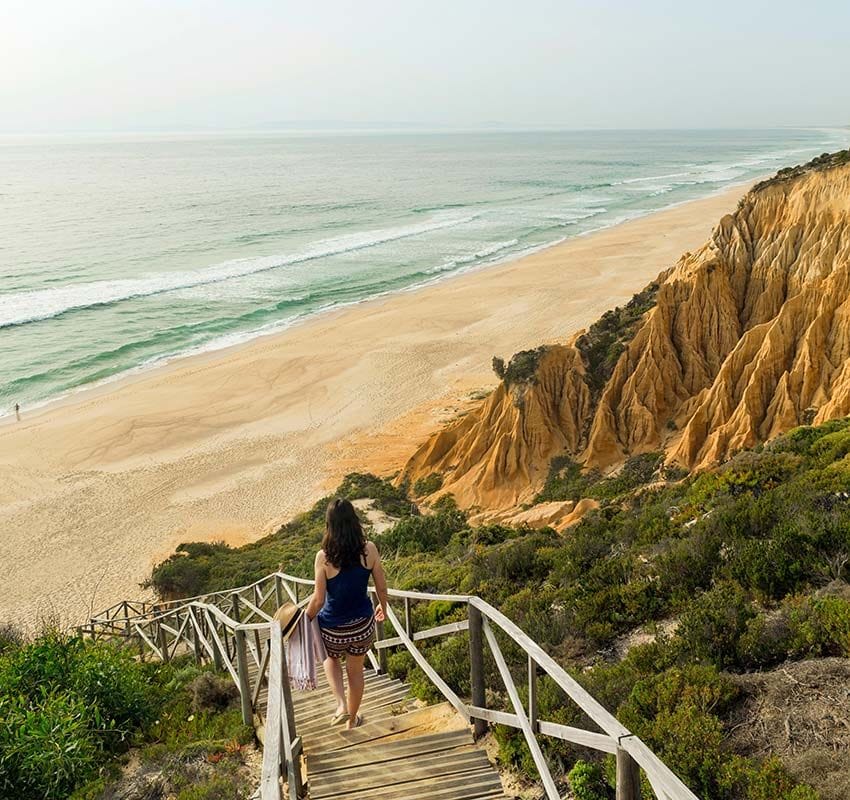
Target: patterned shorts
355,637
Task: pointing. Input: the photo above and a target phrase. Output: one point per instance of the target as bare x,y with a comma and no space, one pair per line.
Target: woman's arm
373,557
318,598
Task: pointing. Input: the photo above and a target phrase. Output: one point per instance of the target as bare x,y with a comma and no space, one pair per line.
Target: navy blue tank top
347,597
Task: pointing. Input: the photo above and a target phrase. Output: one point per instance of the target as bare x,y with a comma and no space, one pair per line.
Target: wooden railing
234,640
233,630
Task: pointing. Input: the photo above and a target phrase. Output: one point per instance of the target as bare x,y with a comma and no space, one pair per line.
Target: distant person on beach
18,411
341,601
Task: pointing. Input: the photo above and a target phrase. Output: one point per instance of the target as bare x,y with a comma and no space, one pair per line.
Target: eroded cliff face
736,343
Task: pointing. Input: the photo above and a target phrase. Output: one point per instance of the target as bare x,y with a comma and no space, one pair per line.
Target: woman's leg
333,669
354,668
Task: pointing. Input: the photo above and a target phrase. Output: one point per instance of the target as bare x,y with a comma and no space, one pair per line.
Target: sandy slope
227,445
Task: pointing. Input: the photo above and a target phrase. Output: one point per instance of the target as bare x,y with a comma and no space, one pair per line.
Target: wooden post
258,645
234,604
293,764
258,596
379,635
159,636
126,620
278,590
244,679
196,639
407,627
628,777
476,667
272,755
141,643
217,659
532,694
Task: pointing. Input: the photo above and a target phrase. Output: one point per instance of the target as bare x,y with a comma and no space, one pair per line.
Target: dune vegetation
662,602
72,711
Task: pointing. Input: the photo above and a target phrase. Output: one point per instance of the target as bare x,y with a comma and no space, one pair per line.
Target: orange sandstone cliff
734,344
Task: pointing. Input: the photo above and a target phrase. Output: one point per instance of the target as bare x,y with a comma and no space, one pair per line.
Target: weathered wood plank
443,742
270,775
533,745
596,741
628,777
430,633
415,767
463,787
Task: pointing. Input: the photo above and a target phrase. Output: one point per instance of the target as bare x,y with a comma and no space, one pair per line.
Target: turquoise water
119,253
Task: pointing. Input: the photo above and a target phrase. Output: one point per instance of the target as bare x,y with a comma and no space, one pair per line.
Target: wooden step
444,766
342,738
456,741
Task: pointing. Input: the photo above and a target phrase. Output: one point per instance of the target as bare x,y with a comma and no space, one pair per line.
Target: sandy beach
96,488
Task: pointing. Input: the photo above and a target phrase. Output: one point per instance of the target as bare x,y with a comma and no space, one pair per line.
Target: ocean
119,253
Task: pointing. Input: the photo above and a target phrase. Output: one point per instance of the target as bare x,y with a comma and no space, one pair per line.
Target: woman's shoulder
372,554
320,557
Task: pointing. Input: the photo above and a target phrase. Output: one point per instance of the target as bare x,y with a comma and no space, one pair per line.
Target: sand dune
227,445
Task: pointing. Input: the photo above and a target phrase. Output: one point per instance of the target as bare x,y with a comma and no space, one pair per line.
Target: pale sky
117,65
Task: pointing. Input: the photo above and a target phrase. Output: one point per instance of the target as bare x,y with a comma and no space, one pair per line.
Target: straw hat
288,616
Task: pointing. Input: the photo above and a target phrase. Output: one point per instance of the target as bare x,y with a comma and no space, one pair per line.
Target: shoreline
210,349
97,486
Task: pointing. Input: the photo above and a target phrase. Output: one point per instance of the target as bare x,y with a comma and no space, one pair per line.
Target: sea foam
19,308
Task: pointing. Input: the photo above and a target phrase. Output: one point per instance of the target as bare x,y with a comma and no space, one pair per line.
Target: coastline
228,443
224,345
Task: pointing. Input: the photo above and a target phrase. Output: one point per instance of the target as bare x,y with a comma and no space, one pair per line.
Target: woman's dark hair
343,543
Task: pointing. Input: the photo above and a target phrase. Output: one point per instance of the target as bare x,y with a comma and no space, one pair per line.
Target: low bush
522,367
713,623
428,485
212,693
606,339
64,703
69,707
731,559
587,782
427,533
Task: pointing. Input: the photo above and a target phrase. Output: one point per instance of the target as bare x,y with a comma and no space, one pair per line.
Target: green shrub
637,471
69,706
425,533
742,777
63,704
773,566
388,498
822,626
216,788
768,640
714,622
522,368
587,782
115,687
48,748
606,338
702,687
566,481
428,485
181,575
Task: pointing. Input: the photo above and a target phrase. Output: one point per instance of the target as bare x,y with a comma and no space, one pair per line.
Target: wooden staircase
395,755
403,750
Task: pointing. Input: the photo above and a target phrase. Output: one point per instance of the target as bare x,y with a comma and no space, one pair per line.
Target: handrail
213,634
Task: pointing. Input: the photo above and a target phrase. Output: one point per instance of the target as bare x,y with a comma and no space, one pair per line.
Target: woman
341,600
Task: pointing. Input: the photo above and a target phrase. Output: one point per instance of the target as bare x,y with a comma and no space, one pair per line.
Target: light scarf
305,650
